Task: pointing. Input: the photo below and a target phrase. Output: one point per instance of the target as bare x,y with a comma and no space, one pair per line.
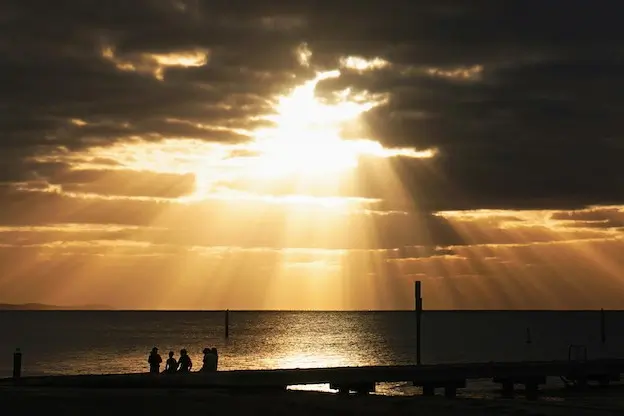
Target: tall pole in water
418,305
603,329
227,323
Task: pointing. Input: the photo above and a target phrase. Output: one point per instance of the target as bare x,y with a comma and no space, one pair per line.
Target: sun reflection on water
312,360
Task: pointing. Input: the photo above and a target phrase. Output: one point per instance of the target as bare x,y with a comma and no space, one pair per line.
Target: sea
110,342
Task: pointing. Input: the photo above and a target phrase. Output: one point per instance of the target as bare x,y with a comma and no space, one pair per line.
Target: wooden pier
450,377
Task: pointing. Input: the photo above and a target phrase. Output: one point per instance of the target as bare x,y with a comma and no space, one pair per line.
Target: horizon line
23,307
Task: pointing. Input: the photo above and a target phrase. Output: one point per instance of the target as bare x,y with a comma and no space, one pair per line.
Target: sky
187,154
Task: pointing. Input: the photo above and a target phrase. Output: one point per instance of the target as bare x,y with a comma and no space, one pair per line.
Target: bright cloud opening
155,64
360,64
307,137
460,73
305,141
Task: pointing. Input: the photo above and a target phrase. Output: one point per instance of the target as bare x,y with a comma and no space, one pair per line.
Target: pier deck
360,379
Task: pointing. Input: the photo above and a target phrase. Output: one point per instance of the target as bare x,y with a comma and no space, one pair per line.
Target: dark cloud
539,127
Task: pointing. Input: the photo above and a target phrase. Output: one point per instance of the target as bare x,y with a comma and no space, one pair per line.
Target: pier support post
531,389
531,383
418,306
17,364
227,323
428,390
450,391
364,388
508,389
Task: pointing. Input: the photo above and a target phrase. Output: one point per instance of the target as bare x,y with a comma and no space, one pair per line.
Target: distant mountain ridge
44,307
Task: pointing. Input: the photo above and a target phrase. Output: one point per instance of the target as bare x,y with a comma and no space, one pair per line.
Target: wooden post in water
17,364
418,306
603,328
227,323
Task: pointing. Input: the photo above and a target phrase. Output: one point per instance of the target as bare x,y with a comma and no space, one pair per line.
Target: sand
94,402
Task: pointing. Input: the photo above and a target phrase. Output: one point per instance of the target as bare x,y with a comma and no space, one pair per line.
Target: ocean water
83,342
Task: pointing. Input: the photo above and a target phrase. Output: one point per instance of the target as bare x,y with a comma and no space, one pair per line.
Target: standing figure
185,364
154,361
210,360
216,354
171,366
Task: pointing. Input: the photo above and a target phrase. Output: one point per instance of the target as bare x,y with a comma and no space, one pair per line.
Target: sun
306,137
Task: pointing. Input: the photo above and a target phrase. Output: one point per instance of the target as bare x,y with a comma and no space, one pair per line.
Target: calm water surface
78,342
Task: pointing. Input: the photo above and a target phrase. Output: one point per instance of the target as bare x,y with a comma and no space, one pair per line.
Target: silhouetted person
154,361
184,364
210,360
216,354
171,366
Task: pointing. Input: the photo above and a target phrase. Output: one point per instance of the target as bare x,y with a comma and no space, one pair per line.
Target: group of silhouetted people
184,364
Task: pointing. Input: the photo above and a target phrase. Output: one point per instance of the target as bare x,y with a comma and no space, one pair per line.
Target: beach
72,401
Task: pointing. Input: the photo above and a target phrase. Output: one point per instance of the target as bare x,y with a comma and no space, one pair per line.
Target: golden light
306,139
155,64
360,64
296,182
303,55
304,142
184,59
461,73
78,122
269,224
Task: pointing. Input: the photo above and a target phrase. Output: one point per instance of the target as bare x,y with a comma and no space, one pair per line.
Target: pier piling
450,391
531,389
507,389
17,364
418,306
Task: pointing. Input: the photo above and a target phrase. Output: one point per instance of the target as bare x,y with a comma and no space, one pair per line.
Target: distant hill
44,307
